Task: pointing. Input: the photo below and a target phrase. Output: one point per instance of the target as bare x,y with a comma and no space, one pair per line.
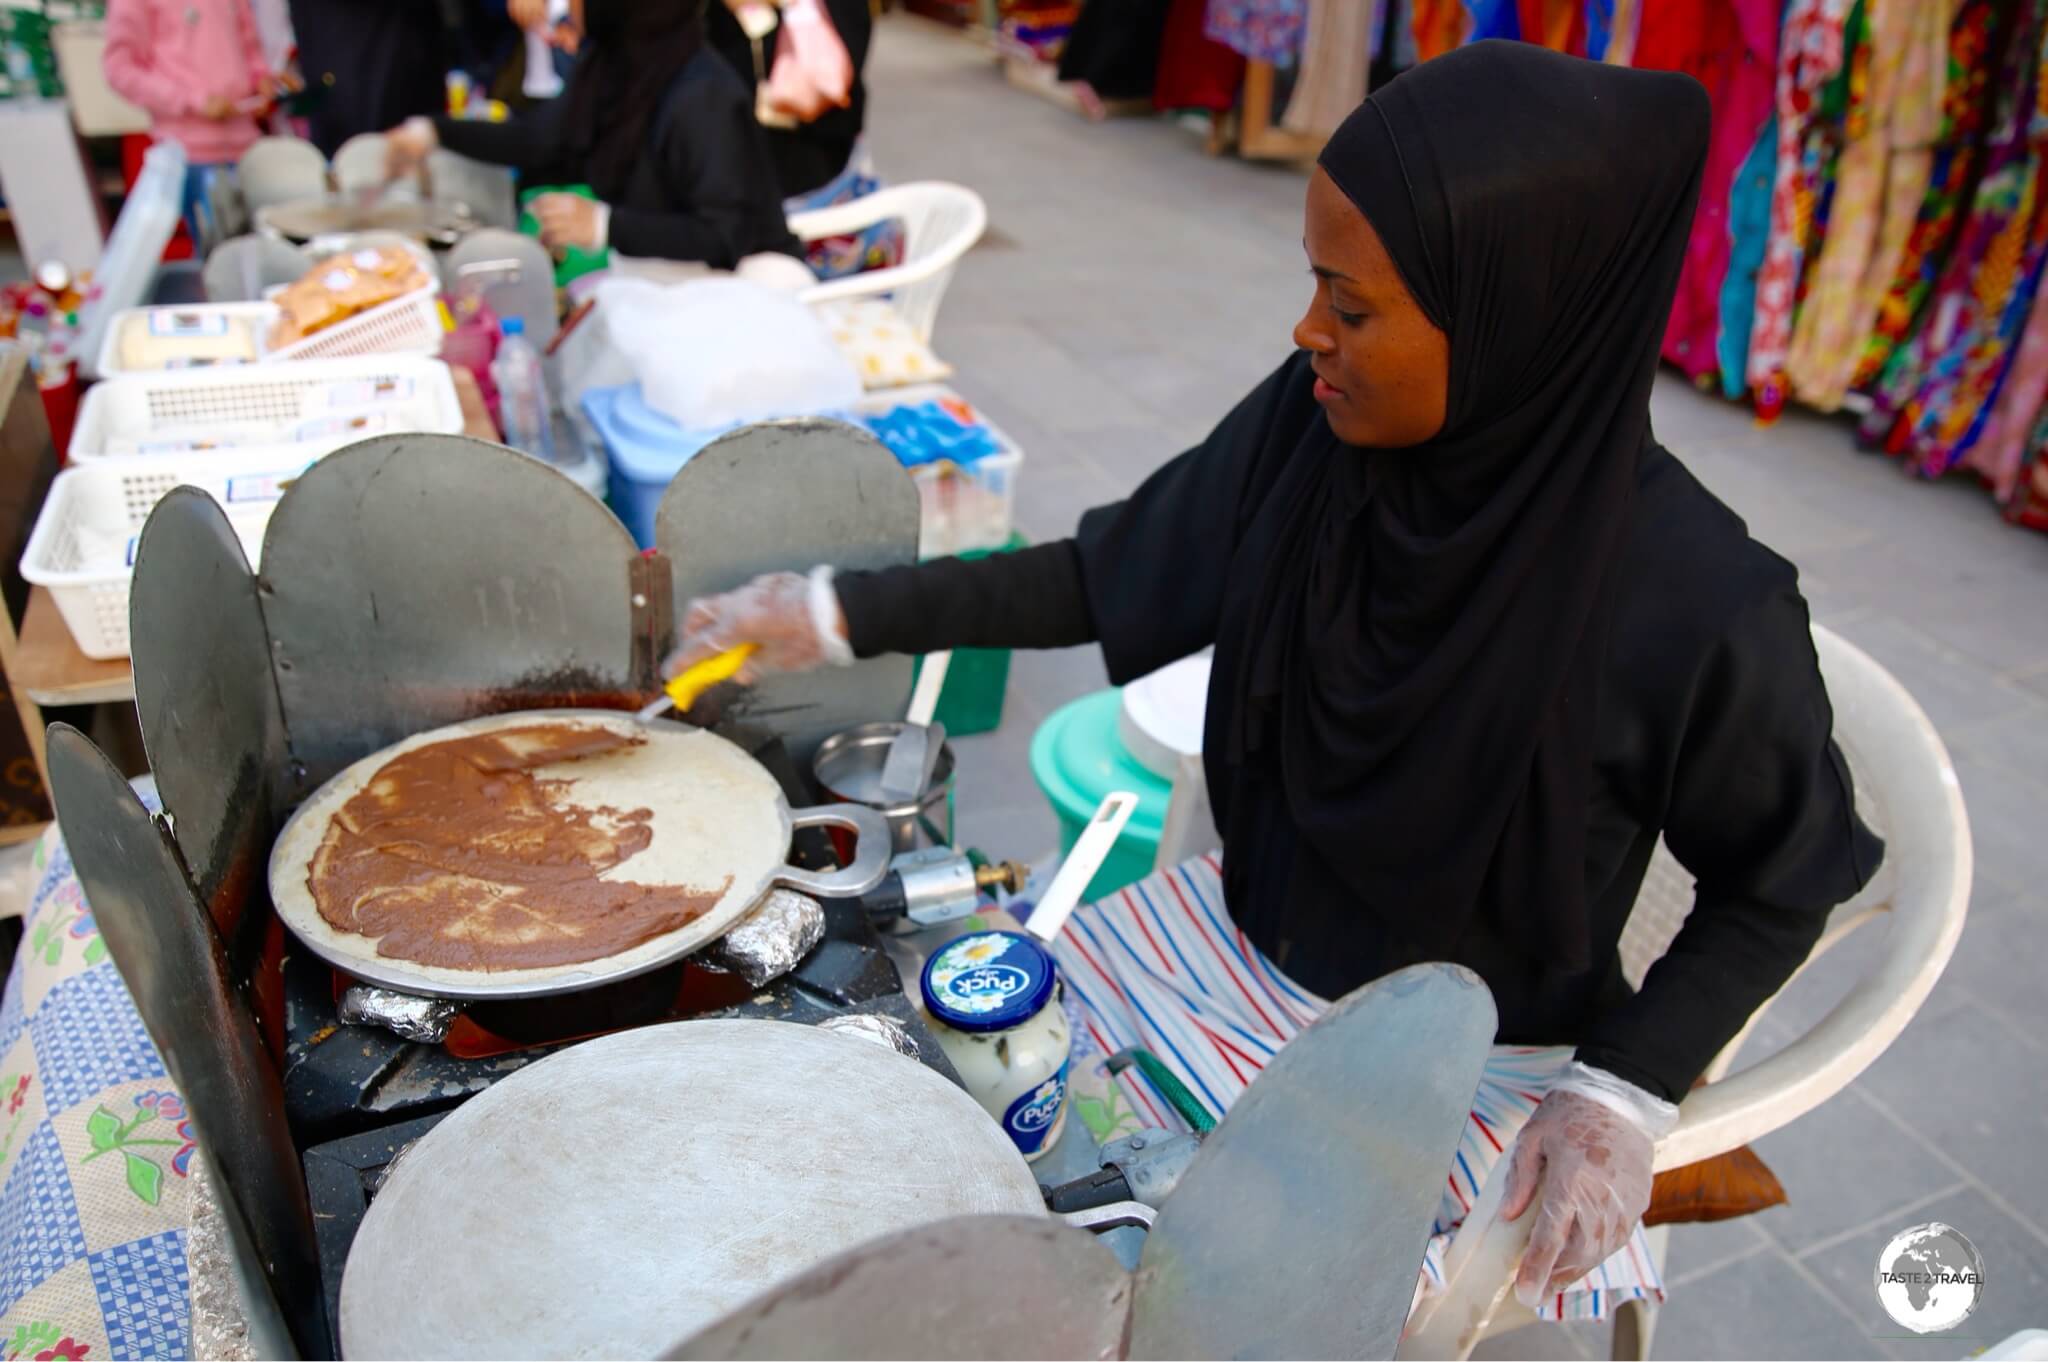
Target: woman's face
1383,370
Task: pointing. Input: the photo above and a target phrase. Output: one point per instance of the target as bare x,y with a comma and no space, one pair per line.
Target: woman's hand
1592,1165
407,146
567,220
219,108
780,612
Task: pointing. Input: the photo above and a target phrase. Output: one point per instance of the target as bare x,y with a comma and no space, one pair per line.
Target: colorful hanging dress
1259,30
2000,453
1934,397
1729,46
1966,92
1810,56
1826,340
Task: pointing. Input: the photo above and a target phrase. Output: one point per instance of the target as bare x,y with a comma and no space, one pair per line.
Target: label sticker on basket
203,362
187,446
185,325
384,390
343,427
248,487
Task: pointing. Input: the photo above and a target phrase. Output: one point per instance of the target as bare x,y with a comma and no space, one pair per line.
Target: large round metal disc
718,818
630,1191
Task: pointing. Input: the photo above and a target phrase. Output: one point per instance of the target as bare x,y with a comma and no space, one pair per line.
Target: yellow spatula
682,691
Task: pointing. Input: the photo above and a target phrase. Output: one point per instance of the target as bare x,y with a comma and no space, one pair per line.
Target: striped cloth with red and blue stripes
1161,965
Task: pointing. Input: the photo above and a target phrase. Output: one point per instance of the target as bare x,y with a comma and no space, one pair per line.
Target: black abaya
1461,688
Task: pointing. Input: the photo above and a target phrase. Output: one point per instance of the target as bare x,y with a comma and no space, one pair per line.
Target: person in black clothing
1479,639
655,123
809,155
368,64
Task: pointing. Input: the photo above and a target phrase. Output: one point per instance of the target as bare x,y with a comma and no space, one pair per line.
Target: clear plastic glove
1588,1149
794,619
407,146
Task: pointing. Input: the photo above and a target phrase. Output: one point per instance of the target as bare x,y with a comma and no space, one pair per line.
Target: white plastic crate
84,542
319,406
961,506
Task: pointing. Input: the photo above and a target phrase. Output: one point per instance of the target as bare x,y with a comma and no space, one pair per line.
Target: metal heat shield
412,581
165,946
788,496
208,708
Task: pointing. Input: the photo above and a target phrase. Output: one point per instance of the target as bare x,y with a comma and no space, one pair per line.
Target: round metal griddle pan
629,1191
715,807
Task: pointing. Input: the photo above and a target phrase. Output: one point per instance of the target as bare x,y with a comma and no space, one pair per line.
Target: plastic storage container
321,406
148,219
84,542
965,466
1077,758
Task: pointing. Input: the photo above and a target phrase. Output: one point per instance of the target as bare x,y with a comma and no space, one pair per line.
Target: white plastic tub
314,406
84,542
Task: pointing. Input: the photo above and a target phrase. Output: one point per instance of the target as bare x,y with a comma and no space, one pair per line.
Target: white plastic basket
83,545
319,406
408,324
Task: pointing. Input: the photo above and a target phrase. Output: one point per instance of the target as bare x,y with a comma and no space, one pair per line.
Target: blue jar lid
989,981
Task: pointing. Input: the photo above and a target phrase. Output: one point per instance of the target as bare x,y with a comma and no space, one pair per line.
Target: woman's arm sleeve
1143,576
530,143
1763,814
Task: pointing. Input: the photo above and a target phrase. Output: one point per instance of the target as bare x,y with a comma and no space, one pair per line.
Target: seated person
653,121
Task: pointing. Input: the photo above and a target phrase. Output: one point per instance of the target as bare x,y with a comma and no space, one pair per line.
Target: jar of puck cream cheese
994,1003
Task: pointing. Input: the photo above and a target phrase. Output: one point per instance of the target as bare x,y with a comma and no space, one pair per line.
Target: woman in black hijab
1479,639
655,123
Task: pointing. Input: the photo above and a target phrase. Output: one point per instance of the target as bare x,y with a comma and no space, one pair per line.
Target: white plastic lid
1162,714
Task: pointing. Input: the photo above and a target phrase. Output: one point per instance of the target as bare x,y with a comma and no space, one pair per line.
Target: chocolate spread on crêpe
456,854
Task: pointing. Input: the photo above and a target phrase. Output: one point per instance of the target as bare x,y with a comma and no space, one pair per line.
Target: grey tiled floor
1132,289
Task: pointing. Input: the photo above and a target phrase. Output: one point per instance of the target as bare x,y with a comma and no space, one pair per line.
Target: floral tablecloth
95,1148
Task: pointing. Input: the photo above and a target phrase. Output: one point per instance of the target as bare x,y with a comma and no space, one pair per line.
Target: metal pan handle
870,854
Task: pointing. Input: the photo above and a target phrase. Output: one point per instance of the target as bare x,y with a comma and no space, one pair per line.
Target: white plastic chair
1907,791
360,163
245,268
278,170
941,223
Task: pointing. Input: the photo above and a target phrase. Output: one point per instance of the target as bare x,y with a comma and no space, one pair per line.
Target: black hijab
632,52
1424,657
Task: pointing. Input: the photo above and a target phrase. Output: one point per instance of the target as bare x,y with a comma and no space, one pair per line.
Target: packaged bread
338,288
184,338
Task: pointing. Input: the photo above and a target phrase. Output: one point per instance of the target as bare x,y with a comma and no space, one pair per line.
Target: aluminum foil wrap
884,1031
768,942
220,1328
421,1019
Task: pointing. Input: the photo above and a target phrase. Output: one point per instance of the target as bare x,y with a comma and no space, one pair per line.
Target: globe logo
1929,1278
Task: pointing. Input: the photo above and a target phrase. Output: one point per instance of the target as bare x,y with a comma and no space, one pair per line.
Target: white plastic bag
715,352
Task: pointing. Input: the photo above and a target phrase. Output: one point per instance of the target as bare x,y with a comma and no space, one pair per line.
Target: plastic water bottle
522,392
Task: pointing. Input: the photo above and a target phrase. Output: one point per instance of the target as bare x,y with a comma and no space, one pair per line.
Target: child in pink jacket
197,68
